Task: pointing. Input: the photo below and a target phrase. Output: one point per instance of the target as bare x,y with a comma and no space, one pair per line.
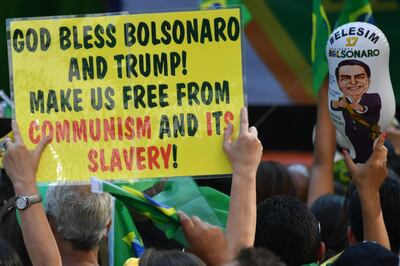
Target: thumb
380,151
349,162
381,139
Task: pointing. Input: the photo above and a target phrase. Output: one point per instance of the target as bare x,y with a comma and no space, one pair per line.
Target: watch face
21,203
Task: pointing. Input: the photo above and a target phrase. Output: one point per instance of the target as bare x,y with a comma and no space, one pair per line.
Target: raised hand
368,177
20,163
245,153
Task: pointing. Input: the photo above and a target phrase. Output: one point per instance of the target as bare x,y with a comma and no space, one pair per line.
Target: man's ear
108,226
351,238
320,252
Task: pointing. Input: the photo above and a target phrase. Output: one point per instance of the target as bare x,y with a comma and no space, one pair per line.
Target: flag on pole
124,240
213,4
160,214
353,10
321,30
183,194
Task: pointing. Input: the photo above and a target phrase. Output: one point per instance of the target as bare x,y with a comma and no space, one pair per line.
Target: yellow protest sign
128,96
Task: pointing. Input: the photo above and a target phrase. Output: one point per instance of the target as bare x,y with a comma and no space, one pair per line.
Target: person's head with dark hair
329,211
286,227
256,256
8,256
300,176
353,77
390,203
393,160
273,179
152,257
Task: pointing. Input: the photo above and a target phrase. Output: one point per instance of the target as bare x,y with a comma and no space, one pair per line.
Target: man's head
328,211
169,258
78,216
256,257
390,203
353,78
286,227
273,179
300,176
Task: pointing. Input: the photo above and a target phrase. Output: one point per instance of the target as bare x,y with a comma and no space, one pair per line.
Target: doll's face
353,80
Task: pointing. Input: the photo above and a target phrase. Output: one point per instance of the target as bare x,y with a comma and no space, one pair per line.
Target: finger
188,227
244,121
381,139
8,143
198,223
349,162
41,146
17,135
253,131
228,135
380,151
186,222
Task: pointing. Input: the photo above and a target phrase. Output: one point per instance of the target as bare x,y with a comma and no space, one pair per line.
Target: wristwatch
22,201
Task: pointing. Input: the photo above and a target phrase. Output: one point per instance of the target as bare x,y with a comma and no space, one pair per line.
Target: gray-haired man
79,219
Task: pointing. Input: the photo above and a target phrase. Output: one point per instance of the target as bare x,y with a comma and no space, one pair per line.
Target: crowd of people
278,215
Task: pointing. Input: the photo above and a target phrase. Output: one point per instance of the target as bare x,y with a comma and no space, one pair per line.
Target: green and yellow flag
124,240
320,34
353,10
212,4
179,194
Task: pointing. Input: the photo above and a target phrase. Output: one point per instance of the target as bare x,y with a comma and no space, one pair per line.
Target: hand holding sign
128,96
369,177
245,153
21,164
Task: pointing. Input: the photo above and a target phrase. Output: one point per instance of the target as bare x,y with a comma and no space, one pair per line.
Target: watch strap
30,199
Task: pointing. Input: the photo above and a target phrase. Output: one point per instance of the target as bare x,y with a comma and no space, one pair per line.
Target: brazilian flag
124,240
320,34
178,194
214,4
353,10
